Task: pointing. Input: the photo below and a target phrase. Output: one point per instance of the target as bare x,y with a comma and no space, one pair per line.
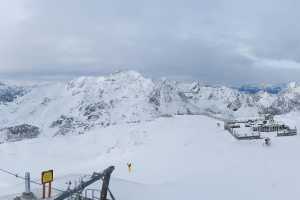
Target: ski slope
182,157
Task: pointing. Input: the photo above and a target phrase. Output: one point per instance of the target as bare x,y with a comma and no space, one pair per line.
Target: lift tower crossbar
105,176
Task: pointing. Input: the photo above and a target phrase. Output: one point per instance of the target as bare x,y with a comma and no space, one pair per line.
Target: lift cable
23,178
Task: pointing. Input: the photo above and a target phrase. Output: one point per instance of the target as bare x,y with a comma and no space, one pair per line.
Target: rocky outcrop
66,125
10,93
19,132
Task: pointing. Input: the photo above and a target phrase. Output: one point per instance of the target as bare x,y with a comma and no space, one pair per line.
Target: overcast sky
218,41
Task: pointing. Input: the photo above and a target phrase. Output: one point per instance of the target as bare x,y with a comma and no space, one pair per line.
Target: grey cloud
223,41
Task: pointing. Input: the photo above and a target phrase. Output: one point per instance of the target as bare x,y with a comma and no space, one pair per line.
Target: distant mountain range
255,88
128,97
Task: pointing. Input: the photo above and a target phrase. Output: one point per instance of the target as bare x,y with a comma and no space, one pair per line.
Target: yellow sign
47,176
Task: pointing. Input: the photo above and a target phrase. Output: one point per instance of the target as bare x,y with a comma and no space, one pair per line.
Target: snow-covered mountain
10,93
128,97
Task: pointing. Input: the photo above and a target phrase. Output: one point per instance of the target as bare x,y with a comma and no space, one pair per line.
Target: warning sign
47,176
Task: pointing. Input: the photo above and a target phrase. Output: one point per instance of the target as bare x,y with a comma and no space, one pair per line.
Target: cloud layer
223,41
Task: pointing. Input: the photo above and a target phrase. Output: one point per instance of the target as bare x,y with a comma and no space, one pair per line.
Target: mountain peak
91,81
127,73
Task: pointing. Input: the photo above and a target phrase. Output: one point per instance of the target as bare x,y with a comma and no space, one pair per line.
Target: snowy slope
184,157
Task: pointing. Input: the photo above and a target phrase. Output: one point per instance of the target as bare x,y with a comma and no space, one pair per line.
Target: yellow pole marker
129,165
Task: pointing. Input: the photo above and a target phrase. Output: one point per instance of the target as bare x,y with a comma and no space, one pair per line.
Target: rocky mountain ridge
128,97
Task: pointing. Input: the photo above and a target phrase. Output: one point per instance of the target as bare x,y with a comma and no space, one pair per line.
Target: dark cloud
223,41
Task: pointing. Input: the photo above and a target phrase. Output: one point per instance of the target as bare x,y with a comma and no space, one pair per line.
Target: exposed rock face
67,125
235,105
10,93
97,111
167,98
19,132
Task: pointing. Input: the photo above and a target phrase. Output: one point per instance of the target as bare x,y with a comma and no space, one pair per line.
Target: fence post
27,194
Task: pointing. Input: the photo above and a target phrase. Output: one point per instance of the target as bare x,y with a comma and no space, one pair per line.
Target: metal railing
92,194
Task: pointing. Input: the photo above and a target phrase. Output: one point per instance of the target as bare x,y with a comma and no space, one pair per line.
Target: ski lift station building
254,127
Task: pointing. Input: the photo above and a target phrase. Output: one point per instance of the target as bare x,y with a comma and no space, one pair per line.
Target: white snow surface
183,157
